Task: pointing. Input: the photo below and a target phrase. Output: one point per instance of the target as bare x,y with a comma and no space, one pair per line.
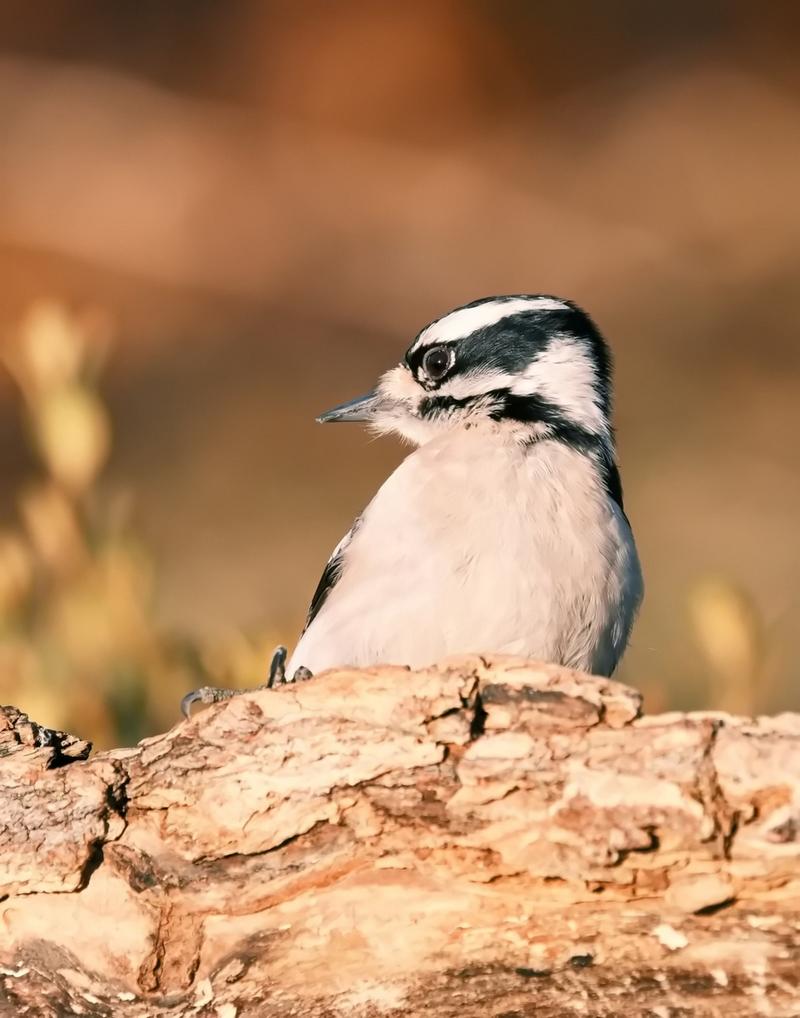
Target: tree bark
484,838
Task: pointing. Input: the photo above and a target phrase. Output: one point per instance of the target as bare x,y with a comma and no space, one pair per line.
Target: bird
503,531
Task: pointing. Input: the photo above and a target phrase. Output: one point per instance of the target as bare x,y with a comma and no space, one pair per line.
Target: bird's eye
437,361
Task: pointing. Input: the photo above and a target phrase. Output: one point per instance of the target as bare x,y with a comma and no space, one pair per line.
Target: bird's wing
330,575
613,482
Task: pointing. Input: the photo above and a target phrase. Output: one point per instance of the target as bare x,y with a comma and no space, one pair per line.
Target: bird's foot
206,694
277,677
277,672
277,669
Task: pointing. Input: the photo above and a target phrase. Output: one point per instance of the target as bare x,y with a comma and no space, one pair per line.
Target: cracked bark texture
485,838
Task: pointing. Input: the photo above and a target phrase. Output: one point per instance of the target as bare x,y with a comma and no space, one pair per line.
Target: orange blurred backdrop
252,207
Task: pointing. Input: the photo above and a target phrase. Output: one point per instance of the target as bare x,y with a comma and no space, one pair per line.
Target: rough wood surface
482,839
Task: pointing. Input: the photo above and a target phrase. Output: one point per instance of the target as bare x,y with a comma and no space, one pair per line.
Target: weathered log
480,839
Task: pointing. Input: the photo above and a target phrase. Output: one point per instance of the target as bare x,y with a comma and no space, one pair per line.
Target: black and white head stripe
511,349
481,314
536,362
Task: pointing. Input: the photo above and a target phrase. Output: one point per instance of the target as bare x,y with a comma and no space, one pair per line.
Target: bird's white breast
477,543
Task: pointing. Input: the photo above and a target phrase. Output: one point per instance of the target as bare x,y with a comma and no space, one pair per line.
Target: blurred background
218,219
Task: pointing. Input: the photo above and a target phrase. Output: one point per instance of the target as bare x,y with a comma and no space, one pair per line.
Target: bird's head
535,365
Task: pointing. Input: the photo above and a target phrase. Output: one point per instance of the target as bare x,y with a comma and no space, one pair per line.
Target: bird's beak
362,408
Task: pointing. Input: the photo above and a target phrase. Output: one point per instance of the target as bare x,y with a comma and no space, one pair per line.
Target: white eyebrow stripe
564,375
464,321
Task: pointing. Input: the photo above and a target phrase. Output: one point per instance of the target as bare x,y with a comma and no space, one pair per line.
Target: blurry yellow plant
16,573
80,648
55,361
729,632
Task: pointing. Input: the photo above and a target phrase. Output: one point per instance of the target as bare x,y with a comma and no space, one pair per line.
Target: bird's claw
277,677
206,694
277,669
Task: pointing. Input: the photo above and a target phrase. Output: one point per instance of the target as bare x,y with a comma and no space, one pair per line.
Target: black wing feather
331,575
